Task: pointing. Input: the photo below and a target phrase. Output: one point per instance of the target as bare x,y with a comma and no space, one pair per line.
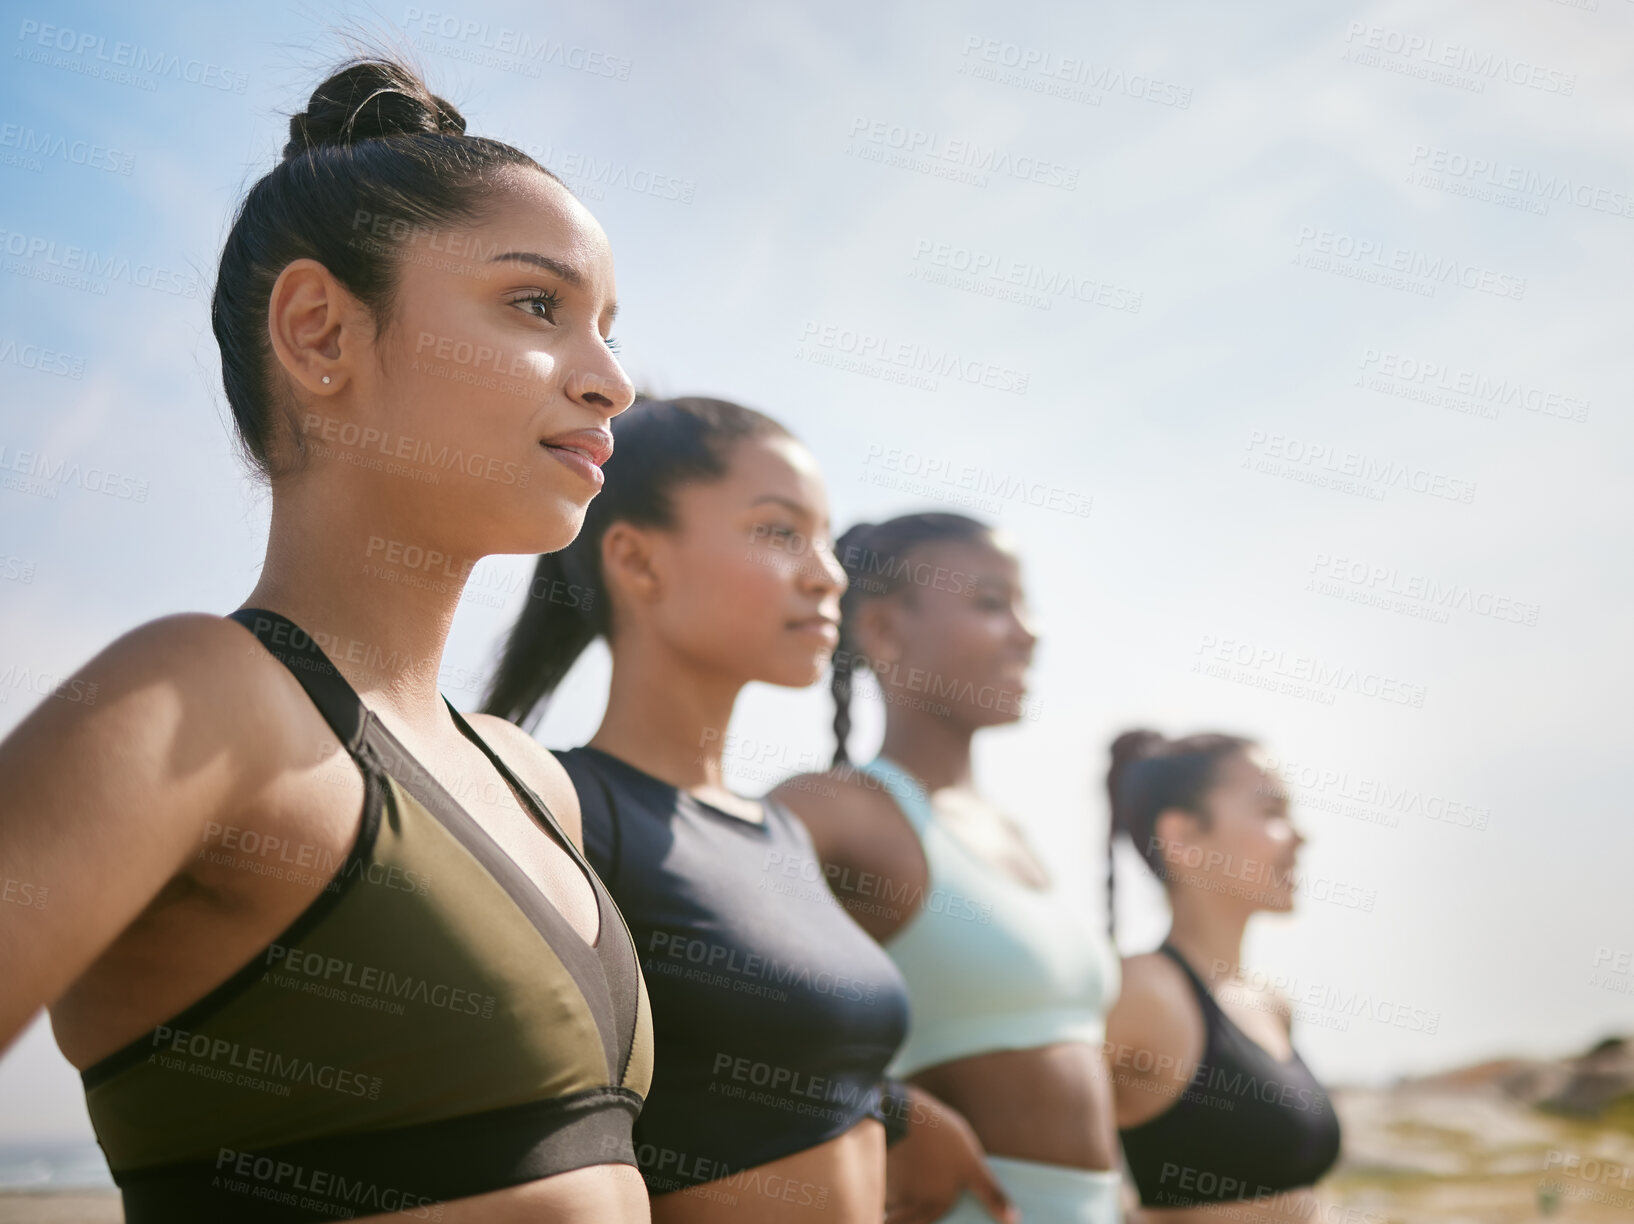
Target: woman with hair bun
1008,980
1219,1116
302,980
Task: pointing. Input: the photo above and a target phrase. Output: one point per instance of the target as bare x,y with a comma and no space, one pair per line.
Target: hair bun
370,99
1133,745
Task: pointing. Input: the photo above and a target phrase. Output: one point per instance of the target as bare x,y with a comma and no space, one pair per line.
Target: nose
825,574
599,382
1026,633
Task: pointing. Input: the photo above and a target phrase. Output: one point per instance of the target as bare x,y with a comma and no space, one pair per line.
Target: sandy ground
68,1207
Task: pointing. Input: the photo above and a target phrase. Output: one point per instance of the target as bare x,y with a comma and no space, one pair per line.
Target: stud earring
326,379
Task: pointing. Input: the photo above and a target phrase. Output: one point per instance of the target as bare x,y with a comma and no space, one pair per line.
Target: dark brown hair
875,557
374,151
1149,775
658,446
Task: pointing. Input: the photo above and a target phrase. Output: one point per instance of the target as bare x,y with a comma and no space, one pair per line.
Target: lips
595,445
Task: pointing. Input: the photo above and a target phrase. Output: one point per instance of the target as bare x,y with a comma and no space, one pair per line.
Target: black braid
851,542
872,555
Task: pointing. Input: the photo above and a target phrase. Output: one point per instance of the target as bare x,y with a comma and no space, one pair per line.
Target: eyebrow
566,271
787,501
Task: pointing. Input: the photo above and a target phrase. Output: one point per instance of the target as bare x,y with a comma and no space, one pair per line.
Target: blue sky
1313,311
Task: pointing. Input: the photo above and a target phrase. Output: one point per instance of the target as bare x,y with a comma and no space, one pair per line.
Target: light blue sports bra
991,963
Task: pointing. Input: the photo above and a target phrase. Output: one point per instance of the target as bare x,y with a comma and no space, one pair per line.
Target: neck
379,606
934,749
1208,931
667,715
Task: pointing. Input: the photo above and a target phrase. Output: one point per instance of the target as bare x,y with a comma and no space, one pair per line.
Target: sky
1289,342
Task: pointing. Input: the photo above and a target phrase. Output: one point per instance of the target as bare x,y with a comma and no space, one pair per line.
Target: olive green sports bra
430,1028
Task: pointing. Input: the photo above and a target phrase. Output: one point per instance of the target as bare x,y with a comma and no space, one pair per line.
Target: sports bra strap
1205,997
292,646
904,788
523,790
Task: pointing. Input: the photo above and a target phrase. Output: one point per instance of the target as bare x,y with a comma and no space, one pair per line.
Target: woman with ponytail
301,980
706,564
1219,1116
1009,985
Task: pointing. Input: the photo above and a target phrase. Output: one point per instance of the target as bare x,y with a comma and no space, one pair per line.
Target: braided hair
874,556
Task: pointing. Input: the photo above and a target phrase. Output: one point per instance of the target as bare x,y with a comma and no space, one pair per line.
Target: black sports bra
1245,1126
774,1013
430,1028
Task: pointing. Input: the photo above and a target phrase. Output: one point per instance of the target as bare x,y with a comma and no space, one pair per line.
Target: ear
1175,829
312,322
627,562
878,632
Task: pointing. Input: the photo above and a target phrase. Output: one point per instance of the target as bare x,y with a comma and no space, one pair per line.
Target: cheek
731,596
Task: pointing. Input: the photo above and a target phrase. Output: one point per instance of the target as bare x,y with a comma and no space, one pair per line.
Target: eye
540,303
612,344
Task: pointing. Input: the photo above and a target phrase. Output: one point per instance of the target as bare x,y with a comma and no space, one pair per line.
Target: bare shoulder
194,677
535,765
1155,1009
841,807
113,777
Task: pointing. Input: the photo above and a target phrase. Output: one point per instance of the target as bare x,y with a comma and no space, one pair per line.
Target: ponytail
1150,775
566,611
658,446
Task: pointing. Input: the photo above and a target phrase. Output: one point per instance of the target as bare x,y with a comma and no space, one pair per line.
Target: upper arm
111,783
1154,1038
533,763
814,799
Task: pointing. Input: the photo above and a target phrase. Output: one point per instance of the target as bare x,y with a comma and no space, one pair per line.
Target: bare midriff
1052,1104
838,1182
